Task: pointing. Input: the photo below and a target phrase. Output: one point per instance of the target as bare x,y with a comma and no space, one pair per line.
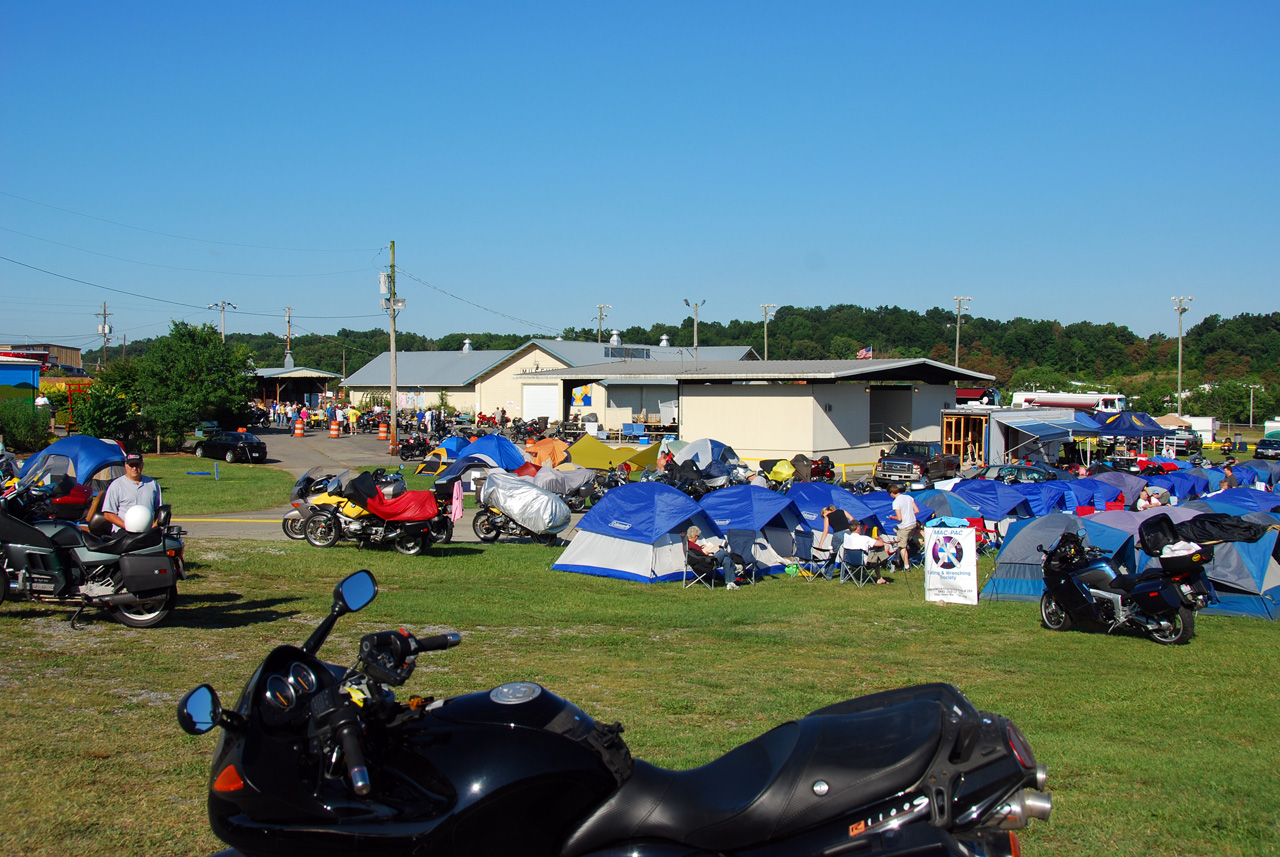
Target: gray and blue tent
636,532
758,523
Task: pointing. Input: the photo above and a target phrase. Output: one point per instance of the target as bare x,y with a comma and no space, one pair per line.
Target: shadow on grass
227,610
452,550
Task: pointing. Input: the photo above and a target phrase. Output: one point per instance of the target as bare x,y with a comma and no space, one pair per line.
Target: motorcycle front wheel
482,523
321,531
1055,618
146,614
1183,628
293,528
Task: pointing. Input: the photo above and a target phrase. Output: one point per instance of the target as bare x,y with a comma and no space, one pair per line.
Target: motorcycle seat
123,542
1126,582
765,788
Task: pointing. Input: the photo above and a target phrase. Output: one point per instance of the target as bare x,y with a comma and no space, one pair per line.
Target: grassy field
1151,749
238,488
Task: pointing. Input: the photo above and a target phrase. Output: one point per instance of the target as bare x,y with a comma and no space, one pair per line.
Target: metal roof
917,369
294,372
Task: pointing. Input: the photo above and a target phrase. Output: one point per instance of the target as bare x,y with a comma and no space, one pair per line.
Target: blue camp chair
853,567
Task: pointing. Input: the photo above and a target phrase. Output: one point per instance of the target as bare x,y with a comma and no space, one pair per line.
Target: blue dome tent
757,520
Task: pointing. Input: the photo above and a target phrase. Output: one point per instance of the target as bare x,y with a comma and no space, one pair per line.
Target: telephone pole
960,307
222,305
602,315
768,311
288,328
1180,309
105,330
695,326
392,305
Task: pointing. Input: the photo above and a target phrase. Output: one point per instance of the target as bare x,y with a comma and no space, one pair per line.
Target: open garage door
540,400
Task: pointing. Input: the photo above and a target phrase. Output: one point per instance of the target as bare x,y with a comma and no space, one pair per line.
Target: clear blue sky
1084,161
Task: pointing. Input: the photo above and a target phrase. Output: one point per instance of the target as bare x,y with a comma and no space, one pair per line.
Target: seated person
716,554
1147,499
874,553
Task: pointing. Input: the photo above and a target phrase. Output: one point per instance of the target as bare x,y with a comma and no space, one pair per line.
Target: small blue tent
811,498
758,523
492,450
81,457
1268,471
1090,492
994,499
1185,486
946,503
635,532
1044,497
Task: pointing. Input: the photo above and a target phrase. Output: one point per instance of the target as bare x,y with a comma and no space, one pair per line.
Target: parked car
233,446
1268,447
914,464
1021,473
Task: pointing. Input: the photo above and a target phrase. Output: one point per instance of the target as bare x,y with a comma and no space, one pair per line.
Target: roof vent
665,342
614,338
559,339
288,360
466,346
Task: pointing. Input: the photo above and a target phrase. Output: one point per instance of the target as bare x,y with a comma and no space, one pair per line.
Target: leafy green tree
24,426
106,412
190,376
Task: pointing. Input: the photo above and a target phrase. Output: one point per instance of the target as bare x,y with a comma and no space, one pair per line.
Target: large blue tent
946,503
759,523
1044,497
993,498
492,450
812,497
79,456
1090,492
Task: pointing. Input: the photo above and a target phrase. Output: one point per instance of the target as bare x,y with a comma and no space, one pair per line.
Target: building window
614,352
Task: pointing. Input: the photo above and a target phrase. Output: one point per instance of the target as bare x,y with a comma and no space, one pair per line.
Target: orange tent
548,451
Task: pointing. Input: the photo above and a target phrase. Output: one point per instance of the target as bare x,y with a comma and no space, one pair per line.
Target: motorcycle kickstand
75,616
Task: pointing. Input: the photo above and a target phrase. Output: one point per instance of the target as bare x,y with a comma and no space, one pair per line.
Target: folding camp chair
741,543
818,562
698,568
853,567
986,538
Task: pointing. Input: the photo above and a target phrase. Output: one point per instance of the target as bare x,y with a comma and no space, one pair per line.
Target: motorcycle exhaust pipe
1020,809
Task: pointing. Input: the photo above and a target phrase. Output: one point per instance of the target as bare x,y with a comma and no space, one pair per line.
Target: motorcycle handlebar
438,642
356,767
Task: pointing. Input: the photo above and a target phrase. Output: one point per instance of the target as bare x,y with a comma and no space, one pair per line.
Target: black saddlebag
147,572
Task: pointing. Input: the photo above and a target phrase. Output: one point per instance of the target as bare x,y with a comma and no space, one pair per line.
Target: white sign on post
950,565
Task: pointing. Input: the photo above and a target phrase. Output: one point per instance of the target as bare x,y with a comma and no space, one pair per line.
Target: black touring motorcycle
1082,584
317,759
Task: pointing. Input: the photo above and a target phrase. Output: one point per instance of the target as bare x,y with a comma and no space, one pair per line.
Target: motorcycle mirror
355,592
164,515
200,710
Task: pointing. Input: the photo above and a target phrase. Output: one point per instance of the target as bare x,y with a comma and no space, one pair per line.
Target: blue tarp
745,507
643,511
994,499
87,454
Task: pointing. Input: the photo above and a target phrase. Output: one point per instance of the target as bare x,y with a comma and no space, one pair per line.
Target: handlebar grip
356,767
439,642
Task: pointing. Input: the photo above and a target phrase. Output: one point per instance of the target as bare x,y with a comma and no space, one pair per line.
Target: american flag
864,353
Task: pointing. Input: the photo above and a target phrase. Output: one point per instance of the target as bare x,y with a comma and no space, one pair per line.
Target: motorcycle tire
1054,616
147,614
1184,628
321,531
483,526
405,456
410,545
544,539
577,504
294,528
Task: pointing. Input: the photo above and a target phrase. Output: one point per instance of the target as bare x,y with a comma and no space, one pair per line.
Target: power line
175,267
186,237
405,273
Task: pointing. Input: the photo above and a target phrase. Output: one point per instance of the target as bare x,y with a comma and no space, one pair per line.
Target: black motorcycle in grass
1082,584
319,759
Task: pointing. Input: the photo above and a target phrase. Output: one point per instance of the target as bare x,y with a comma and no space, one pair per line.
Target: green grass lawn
238,488
1151,749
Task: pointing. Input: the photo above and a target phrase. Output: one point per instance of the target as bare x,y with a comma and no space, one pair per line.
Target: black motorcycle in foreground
1083,585
317,759
134,576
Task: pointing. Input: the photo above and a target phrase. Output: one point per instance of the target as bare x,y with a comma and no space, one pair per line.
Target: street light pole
601,315
768,310
960,307
695,326
223,306
1180,309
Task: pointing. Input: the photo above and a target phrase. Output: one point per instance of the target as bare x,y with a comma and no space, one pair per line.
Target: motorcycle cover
409,506
563,481
533,508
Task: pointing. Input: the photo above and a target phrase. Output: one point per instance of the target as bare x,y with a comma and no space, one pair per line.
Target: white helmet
137,519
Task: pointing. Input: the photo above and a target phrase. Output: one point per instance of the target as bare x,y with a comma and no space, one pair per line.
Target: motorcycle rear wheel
146,614
483,526
293,528
321,531
1055,618
1184,628
410,545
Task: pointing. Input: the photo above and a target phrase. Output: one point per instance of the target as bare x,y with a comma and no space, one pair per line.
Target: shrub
25,428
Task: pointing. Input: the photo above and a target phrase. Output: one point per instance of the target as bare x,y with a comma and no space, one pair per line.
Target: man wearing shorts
904,512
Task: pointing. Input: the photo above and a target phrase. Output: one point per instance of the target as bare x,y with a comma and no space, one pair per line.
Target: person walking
906,513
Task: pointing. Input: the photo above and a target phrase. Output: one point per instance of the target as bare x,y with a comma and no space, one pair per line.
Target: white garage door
541,400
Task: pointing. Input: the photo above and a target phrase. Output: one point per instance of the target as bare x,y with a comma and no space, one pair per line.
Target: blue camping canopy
86,455
812,497
1131,424
745,507
643,511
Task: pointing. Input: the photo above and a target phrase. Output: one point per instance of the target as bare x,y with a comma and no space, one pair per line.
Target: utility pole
960,307
288,328
105,330
768,311
124,347
1180,309
222,305
695,326
602,315
392,305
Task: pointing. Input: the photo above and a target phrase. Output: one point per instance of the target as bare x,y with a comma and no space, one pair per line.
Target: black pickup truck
914,464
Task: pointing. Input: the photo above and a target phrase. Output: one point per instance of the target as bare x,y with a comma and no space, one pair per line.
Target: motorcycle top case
147,572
